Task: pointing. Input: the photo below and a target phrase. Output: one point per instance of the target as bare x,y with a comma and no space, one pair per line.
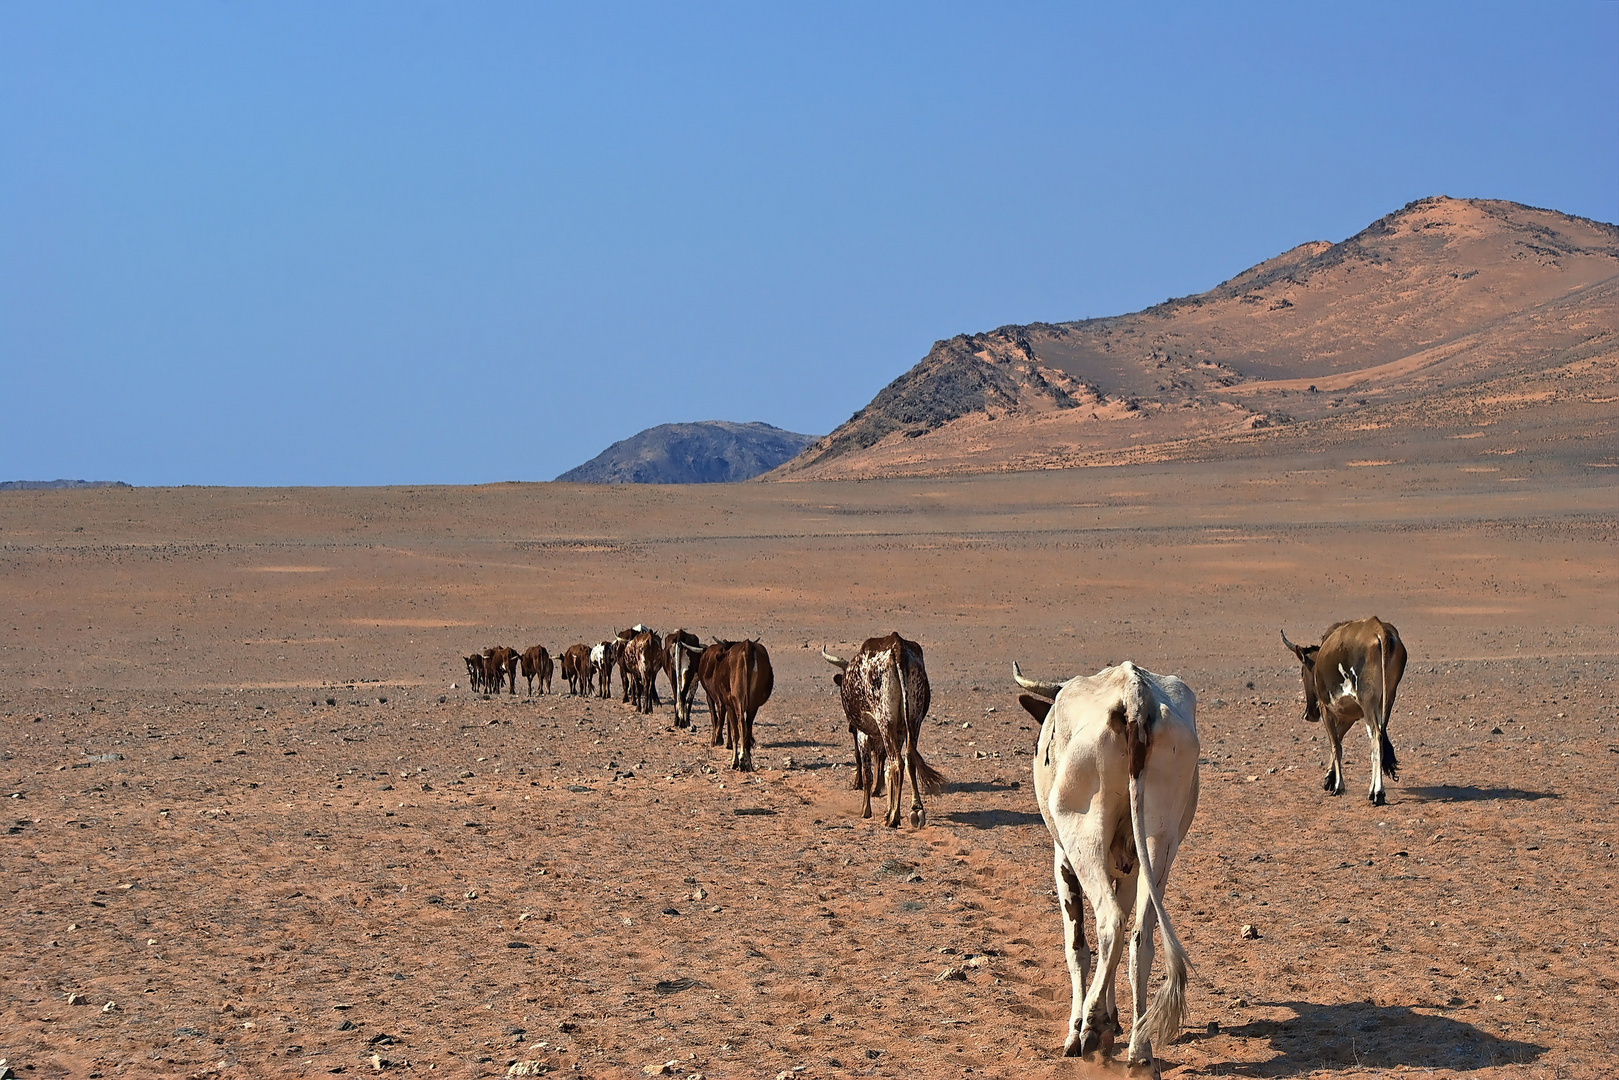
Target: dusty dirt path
260,882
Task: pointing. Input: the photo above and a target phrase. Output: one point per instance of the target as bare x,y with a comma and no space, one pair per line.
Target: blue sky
337,243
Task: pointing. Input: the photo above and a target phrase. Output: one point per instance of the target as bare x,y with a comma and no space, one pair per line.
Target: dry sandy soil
254,830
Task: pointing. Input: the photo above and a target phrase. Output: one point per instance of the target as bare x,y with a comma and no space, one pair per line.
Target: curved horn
829,658
1047,688
1288,643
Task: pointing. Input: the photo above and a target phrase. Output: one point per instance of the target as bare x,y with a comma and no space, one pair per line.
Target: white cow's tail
1162,1021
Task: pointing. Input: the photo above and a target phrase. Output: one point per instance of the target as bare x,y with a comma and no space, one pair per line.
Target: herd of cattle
736,677
1115,769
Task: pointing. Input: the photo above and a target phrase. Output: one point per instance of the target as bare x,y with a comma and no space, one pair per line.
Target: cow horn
829,658
1288,643
1048,688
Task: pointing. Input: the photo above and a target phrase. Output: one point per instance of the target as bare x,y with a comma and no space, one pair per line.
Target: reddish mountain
1447,314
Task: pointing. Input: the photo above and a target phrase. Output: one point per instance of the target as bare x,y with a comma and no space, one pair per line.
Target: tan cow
1353,675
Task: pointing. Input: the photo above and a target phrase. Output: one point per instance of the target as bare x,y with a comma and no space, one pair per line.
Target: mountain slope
706,452
1430,304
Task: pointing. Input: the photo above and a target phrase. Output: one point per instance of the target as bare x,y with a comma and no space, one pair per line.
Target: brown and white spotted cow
744,679
885,697
643,656
1115,774
681,651
537,665
1353,675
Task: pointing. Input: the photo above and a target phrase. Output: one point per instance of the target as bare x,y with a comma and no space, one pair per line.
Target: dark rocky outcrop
706,452
58,485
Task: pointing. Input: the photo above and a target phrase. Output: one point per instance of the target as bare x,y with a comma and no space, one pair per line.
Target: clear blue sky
339,243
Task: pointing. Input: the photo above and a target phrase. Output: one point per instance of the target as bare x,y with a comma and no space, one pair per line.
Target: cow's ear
837,680
1036,707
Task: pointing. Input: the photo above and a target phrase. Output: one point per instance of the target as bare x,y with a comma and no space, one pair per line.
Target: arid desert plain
258,824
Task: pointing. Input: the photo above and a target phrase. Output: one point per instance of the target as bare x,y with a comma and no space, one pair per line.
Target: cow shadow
991,819
1453,793
1355,1034
796,744
984,785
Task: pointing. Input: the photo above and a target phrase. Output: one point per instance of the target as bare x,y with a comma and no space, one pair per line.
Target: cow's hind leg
1334,783
1096,1024
919,813
896,787
1075,949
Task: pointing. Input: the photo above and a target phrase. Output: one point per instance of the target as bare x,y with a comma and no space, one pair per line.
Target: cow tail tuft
931,779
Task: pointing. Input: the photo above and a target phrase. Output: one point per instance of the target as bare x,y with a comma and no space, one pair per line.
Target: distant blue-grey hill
706,452
58,485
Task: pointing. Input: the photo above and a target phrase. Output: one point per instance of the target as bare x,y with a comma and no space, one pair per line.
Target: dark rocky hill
706,452
58,485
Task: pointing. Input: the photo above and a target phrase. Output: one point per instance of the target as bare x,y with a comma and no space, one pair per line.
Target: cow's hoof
919,818
1330,784
867,814
1378,799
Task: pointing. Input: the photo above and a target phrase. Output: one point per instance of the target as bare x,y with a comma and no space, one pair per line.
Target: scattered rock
528,1068
951,974
659,1068
75,999
1250,931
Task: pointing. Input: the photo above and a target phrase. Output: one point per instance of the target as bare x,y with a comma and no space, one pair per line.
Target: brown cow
474,672
885,697
744,679
577,668
502,664
1352,675
681,651
537,665
708,666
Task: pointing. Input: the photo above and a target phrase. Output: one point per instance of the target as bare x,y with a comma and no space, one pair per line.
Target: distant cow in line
475,672
744,679
602,657
537,665
708,669
1115,774
577,668
681,651
500,668
643,656
1353,675
885,695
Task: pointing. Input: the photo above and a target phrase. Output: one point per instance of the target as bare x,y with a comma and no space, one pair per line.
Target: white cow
1115,772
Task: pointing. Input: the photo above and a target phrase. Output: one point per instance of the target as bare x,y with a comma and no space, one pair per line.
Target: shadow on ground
991,819
1371,1036
1449,793
985,785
